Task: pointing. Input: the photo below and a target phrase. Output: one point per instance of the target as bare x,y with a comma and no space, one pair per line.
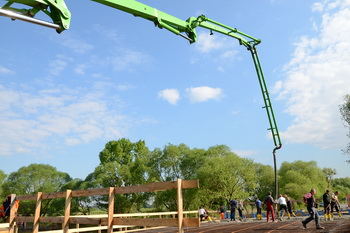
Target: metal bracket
14,15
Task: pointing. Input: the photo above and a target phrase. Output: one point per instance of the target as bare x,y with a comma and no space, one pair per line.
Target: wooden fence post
12,216
65,224
180,205
37,212
110,209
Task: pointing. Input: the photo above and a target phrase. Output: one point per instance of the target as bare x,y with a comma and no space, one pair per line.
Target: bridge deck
293,225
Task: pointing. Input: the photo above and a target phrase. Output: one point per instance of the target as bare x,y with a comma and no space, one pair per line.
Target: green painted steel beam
59,13
55,9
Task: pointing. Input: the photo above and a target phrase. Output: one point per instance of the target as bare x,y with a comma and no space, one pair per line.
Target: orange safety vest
6,212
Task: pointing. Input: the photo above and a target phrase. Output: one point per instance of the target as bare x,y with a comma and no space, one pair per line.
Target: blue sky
111,75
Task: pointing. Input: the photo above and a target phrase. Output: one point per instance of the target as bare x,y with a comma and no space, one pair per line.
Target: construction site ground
338,225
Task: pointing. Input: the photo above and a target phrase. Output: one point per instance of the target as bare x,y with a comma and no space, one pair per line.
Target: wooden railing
4,227
109,220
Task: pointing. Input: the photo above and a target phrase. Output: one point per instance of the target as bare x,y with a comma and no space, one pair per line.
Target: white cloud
130,59
207,43
107,32
277,87
80,69
202,94
4,70
170,95
245,153
76,45
229,54
236,112
217,49
30,121
318,6
317,79
56,67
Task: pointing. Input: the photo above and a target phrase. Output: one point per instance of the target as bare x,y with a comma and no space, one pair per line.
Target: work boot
319,227
304,225
293,214
288,215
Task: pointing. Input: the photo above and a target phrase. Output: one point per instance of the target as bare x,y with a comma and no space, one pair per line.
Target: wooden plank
54,195
110,210
72,220
152,187
53,231
27,197
88,229
191,222
180,214
65,224
90,192
150,222
4,227
57,219
189,184
12,214
158,186
135,214
37,213
60,219
25,219
83,229
88,221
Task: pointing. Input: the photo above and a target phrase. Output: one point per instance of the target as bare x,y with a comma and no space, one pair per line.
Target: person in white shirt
335,205
283,206
202,213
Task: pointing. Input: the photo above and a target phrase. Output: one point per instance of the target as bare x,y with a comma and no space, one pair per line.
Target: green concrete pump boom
55,9
60,15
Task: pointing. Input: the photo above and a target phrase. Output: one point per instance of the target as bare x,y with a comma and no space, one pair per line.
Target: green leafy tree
175,162
33,179
297,178
329,173
345,112
123,163
2,178
171,163
265,180
225,176
77,207
342,185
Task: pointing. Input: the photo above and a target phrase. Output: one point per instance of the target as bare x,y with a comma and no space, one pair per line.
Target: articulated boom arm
55,9
58,12
250,43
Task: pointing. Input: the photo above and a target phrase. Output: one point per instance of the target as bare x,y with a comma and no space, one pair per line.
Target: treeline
222,174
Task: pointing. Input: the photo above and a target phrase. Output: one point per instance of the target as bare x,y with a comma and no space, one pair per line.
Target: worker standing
335,204
233,204
289,205
269,202
258,209
327,205
283,206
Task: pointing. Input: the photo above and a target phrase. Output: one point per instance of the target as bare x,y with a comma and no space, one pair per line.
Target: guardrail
4,227
110,220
